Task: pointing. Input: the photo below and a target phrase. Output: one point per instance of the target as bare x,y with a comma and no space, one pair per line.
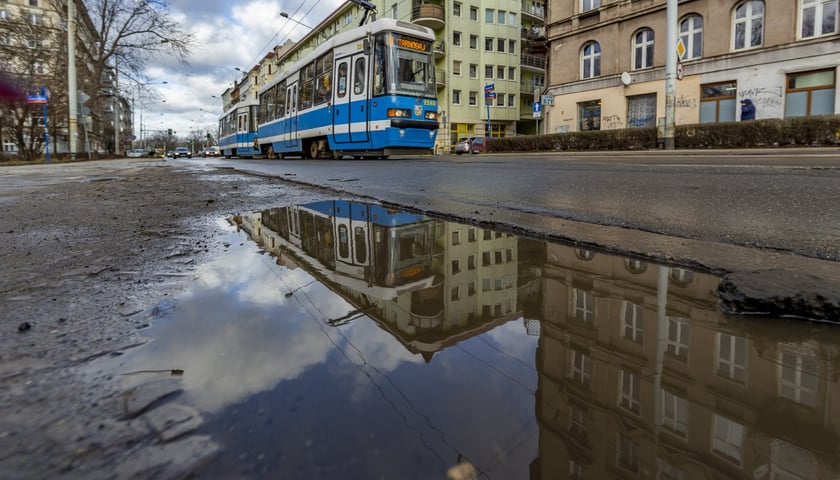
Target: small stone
25,326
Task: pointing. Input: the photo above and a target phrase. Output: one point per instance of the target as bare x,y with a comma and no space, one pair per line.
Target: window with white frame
679,334
817,17
691,34
732,357
511,99
748,25
578,422
489,15
456,39
590,60
632,320
488,71
583,306
798,376
728,439
348,18
456,97
488,44
474,14
456,68
512,47
456,9
474,42
500,99
511,19
501,18
674,413
643,49
500,72
581,367
500,45
586,5
630,396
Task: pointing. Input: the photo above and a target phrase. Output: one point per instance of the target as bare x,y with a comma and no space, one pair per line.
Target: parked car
136,153
182,152
469,145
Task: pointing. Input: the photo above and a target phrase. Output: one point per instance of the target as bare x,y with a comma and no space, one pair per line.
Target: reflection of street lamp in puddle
292,292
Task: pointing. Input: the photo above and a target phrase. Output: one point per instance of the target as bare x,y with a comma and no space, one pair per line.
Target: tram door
350,111
292,133
242,131
352,238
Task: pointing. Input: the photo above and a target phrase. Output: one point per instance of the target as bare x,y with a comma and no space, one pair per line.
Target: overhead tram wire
288,21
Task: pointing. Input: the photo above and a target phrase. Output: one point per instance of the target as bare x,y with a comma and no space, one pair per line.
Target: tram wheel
336,155
315,149
270,152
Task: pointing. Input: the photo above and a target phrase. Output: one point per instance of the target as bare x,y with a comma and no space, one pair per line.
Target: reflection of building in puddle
428,282
640,375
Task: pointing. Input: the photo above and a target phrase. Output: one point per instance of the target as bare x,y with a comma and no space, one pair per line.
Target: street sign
537,110
680,71
548,100
680,49
490,95
489,88
36,99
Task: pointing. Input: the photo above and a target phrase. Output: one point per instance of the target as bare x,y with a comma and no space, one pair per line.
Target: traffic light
169,132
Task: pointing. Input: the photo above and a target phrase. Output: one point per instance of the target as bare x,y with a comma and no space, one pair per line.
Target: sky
227,35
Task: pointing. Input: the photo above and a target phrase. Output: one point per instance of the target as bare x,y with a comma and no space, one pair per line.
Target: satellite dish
626,79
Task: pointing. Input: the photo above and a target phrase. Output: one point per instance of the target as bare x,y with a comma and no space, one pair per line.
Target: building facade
607,61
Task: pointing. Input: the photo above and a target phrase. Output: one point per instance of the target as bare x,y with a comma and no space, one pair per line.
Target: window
456,97
501,17
577,422
641,111
456,266
511,100
456,39
500,45
488,71
583,306
732,357
455,294
511,19
586,5
500,72
473,99
36,19
589,114
348,18
474,42
473,70
456,237
728,439
4,15
456,9
512,73
798,375
581,367
718,102
748,25
817,17
471,288
627,456
485,285
679,334
674,413
584,254
500,99
643,49
488,44
471,263
486,259
456,68
630,396
691,34
489,15
474,14
471,235
632,321
810,93
512,47
33,3
590,60
359,76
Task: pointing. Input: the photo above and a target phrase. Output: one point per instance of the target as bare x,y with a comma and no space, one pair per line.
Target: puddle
339,340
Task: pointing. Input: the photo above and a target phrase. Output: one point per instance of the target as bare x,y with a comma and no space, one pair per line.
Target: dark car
182,152
470,145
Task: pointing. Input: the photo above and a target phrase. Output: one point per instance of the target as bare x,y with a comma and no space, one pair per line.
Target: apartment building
607,61
642,376
33,49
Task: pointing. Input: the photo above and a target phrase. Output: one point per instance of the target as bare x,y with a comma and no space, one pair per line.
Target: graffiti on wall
611,122
686,102
767,96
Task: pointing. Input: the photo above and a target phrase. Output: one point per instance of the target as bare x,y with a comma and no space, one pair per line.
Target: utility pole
670,72
116,107
71,78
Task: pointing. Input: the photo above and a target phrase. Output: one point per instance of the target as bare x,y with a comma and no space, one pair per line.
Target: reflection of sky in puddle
520,356
289,394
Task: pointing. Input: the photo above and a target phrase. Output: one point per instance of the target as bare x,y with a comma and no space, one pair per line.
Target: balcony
535,13
534,63
440,77
439,49
428,15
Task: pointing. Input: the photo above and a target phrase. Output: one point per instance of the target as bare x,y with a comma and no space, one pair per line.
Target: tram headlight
399,113
431,116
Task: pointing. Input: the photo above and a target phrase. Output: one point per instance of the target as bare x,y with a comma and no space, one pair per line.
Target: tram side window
323,71
252,119
307,86
279,99
342,79
359,76
379,70
360,241
343,242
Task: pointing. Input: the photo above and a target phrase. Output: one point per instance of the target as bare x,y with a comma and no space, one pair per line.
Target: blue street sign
537,108
490,95
36,99
489,88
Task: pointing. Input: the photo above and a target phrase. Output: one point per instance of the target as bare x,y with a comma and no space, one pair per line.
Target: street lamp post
286,16
136,90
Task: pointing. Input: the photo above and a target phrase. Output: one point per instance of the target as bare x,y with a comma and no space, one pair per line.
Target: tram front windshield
403,66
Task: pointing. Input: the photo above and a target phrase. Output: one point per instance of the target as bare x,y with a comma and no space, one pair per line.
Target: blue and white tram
367,92
238,130
364,247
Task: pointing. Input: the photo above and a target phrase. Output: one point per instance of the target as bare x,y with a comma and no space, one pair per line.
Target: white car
136,153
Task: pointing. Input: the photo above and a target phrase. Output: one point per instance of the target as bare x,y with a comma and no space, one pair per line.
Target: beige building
641,376
607,61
